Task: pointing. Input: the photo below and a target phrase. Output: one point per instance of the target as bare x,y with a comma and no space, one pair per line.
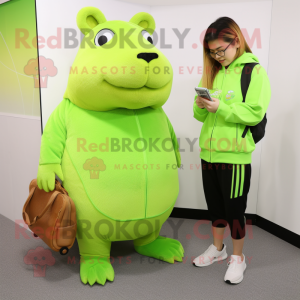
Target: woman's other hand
211,106
199,102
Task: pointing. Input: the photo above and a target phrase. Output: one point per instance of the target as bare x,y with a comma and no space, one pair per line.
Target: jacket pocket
206,130
245,144
223,137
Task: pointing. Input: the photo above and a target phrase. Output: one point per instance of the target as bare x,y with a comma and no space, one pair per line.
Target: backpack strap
245,82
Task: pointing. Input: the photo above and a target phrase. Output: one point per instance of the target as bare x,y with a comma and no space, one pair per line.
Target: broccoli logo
40,258
230,95
47,68
94,165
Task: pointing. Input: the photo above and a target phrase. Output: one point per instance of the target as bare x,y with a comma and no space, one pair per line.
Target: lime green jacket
221,134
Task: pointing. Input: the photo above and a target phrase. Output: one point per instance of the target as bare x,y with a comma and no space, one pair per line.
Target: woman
225,155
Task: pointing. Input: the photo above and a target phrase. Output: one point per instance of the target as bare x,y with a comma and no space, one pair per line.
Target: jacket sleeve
54,136
258,96
200,114
174,141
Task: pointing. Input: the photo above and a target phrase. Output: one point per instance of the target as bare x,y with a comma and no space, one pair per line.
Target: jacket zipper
145,157
215,114
236,126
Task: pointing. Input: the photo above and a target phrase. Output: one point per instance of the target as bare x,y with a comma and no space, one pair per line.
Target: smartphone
203,92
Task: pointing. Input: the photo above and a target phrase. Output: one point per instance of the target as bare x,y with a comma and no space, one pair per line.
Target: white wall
278,196
154,3
20,138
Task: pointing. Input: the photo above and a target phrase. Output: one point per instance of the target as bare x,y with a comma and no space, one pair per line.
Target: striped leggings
226,187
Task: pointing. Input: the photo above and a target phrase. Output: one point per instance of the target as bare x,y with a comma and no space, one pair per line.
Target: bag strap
25,215
245,82
246,78
59,187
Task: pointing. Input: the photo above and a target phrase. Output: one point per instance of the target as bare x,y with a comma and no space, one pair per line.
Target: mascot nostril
147,56
123,191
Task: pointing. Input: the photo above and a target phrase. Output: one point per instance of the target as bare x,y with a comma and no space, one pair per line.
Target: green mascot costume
112,145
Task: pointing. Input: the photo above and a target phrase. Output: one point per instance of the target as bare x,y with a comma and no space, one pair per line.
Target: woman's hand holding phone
199,102
211,106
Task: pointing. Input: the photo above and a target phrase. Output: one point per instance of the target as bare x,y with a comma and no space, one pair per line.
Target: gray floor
272,273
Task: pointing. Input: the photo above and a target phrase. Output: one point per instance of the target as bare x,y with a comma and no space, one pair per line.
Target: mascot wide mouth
137,88
152,74
111,96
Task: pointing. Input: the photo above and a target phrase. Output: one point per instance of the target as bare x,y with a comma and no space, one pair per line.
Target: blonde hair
223,28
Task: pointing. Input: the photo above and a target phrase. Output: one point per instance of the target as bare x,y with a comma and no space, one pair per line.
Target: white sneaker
235,271
210,256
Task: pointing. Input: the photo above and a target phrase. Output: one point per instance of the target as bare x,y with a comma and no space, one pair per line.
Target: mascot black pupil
102,40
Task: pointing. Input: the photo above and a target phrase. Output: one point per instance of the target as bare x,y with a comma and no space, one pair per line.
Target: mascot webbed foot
162,248
96,269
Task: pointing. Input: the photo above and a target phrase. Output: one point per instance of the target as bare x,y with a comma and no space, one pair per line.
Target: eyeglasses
220,53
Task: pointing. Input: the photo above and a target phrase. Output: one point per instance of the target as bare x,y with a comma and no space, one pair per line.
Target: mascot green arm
174,142
52,147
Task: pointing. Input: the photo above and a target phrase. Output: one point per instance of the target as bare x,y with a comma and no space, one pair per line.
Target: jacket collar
246,57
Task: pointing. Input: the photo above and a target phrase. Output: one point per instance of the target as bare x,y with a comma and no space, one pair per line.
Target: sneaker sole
211,262
237,281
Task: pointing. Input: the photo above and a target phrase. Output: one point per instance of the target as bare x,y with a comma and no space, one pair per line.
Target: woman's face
218,45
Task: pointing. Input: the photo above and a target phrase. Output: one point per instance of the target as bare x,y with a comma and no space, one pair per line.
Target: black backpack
258,131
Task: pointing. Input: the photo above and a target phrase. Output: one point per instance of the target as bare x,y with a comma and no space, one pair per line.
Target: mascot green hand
46,176
117,149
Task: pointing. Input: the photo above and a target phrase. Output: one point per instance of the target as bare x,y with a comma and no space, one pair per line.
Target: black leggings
226,187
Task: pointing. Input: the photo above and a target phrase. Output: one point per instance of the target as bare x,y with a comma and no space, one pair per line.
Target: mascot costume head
112,145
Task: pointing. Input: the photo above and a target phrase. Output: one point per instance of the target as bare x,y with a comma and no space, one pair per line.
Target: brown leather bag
51,216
